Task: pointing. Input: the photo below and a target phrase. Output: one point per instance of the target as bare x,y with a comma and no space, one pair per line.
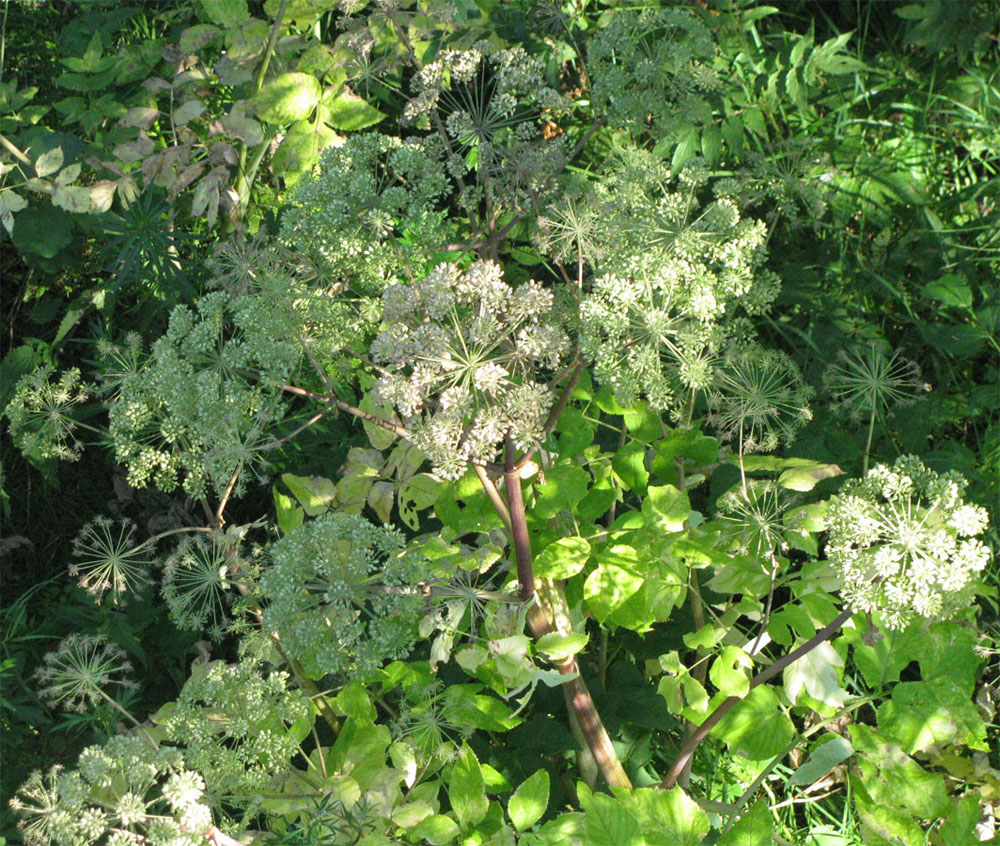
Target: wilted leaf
242,126
49,162
188,111
133,151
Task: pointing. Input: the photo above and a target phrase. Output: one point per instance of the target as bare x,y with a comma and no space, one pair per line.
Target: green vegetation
500,422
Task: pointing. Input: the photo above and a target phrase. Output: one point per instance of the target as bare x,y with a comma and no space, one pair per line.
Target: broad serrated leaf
316,494
288,98
562,558
529,801
349,112
607,822
466,789
815,673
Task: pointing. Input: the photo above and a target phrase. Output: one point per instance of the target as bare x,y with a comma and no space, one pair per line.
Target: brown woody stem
578,699
713,719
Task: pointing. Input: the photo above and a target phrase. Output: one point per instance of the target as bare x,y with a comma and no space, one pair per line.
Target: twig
713,719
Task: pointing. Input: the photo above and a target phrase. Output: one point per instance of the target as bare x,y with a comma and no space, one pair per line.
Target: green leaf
727,671
932,713
629,464
353,701
241,126
951,290
347,111
42,230
288,98
667,817
805,477
610,584
608,823
188,111
466,789
300,150
437,830
49,162
558,647
565,485
756,727
893,779
316,494
754,828
815,673
881,825
226,13
529,801
416,494
687,146
562,558
290,515
823,758
665,508
576,433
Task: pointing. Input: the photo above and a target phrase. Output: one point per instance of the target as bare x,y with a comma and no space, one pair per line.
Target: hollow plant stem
578,699
724,707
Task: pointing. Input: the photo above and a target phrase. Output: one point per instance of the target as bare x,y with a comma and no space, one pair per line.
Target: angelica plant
78,674
40,413
339,595
905,543
195,412
462,352
108,560
673,277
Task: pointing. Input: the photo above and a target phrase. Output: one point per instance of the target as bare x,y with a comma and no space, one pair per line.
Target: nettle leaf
466,789
951,290
728,671
815,673
288,98
562,558
528,803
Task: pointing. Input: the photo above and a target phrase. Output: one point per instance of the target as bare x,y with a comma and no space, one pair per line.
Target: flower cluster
651,70
234,722
371,210
200,407
107,559
124,793
758,398
197,581
78,673
40,414
489,103
342,595
903,542
460,351
867,379
673,272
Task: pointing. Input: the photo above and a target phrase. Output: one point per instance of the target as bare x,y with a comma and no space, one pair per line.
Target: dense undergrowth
499,422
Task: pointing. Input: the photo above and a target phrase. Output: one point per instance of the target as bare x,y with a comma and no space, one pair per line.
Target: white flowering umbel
673,273
371,209
201,406
460,352
123,793
235,724
341,596
903,542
